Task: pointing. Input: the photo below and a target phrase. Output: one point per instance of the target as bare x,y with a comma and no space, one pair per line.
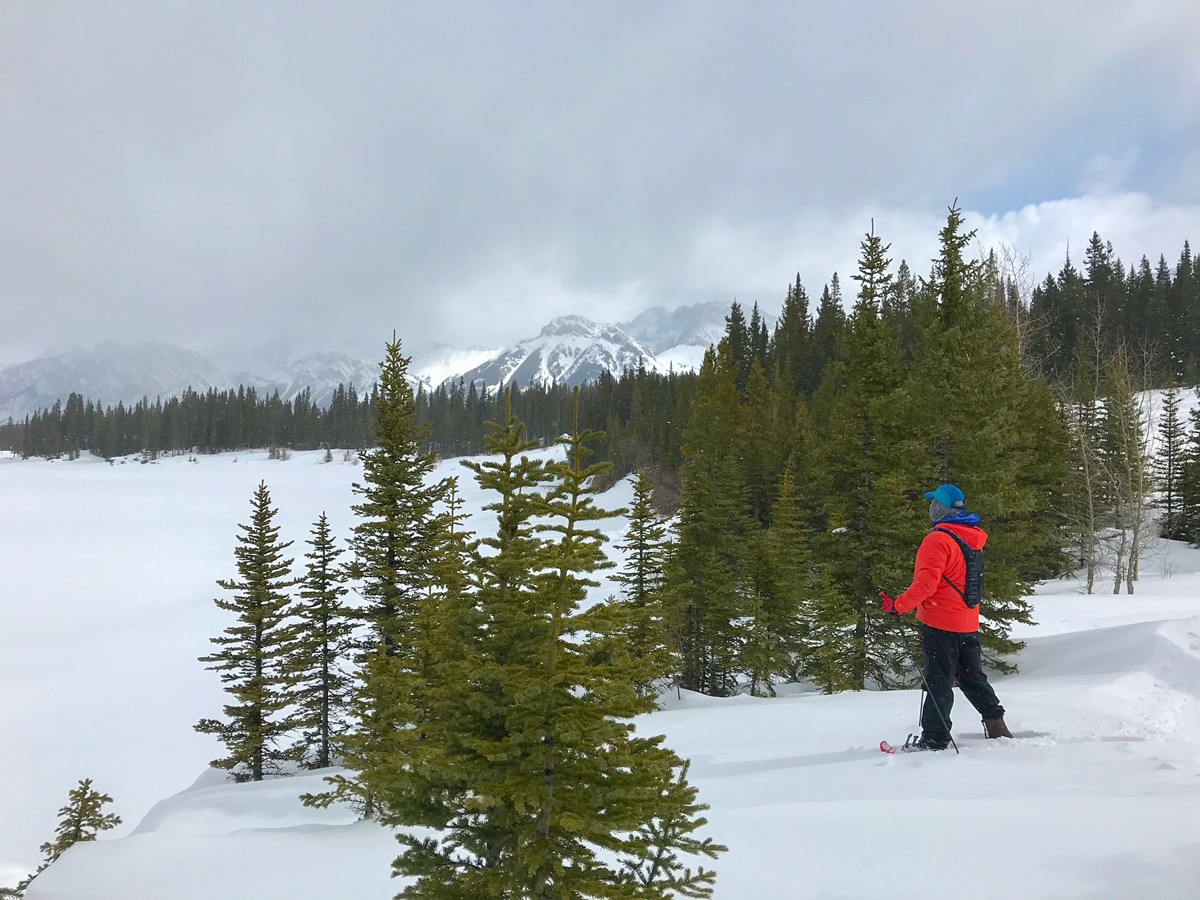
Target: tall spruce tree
1167,460
739,341
811,615
826,332
767,422
646,548
253,657
761,660
468,695
398,529
991,430
535,743
869,464
398,543
790,343
321,655
708,587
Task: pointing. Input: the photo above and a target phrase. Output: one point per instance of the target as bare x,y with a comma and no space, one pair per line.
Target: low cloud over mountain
569,350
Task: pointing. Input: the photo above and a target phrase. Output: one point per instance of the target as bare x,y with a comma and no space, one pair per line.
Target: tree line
1149,310
1069,327
640,405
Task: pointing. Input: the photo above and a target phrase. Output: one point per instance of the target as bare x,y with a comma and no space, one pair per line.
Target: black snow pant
950,655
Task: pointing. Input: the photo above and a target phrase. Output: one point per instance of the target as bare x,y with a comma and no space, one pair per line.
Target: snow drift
1097,796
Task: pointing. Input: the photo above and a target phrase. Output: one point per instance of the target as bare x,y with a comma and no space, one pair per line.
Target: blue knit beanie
948,501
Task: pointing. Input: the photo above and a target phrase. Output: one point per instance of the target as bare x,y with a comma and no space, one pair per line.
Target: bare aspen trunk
1120,562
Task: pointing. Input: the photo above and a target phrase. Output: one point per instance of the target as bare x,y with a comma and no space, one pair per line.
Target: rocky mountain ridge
569,350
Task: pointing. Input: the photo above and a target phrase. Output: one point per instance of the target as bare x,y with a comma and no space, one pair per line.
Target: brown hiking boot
995,728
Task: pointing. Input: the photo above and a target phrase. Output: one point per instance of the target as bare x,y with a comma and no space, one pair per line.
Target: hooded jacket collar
962,518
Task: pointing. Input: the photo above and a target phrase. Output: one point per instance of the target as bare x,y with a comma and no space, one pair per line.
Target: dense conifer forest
1068,326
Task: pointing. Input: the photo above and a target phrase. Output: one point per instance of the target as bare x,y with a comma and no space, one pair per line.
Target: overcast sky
202,172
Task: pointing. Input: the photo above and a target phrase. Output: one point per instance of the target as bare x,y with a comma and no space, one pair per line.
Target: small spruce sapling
80,820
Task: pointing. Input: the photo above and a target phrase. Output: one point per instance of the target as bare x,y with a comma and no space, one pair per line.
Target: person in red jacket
949,627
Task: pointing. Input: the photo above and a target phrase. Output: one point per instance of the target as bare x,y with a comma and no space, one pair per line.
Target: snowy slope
436,365
661,331
110,573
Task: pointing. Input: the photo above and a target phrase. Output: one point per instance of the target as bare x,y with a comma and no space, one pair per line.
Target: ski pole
925,687
924,681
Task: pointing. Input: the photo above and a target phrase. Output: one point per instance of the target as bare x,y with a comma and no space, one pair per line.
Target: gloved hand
888,605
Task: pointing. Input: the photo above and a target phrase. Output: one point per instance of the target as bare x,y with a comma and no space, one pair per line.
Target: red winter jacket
938,604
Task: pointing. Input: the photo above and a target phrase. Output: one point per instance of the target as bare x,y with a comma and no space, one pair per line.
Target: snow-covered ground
109,575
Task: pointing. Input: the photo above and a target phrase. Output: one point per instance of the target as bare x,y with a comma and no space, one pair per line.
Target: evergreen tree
1189,480
253,655
764,442
646,547
760,341
708,579
811,615
1137,326
790,343
654,870
827,331
80,820
1105,291
398,544
738,340
321,654
537,741
1167,461
398,529
762,658
1185,298
990,430
1059,307
871,466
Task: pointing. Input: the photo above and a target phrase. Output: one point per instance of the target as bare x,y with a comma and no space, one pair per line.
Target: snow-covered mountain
109,373
661,331
569,350
321,373
438,364
679,337
115,373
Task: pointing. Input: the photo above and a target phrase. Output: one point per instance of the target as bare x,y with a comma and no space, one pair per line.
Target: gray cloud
462,171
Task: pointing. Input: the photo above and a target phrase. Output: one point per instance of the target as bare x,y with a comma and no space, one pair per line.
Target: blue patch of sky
1149,157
